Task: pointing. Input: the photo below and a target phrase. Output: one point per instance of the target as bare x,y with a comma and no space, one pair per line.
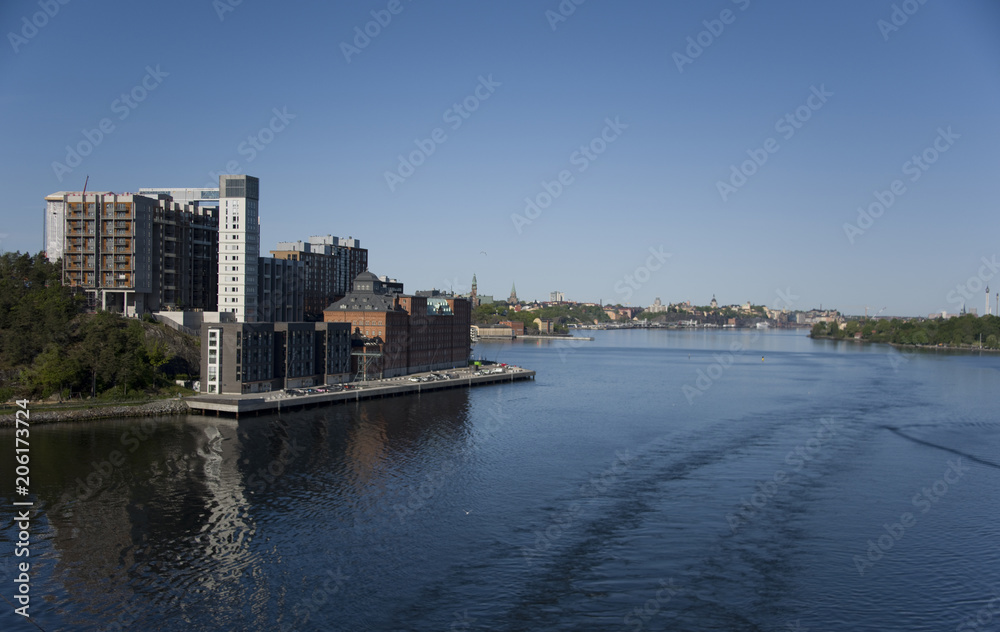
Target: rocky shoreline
152,409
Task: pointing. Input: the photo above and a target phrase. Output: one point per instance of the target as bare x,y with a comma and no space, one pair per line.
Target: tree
835,329
157,354
53,370
819,329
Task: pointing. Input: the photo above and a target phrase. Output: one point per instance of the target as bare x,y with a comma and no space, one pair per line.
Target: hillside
48,346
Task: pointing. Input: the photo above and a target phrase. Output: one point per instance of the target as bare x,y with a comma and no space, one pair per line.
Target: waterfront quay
276,401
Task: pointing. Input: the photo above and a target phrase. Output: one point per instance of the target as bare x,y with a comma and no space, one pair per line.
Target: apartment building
239,245
105,242
240,358
185,255
280,290
331,264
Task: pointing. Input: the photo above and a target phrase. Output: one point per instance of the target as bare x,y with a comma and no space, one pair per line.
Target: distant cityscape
312,313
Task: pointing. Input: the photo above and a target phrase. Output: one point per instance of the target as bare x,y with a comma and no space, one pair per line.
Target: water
647,480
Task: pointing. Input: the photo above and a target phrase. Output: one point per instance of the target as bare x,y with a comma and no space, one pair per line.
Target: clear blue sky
217,81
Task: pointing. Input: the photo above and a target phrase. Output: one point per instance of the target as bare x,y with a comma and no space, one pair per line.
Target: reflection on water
597,497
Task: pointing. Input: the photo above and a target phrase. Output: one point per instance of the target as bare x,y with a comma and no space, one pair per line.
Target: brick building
406,334
516,325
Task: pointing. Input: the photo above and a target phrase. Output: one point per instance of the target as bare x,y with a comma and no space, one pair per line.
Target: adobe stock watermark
797,458
915,168
101,471
31,26
642,274
594,488
363,35
254,144
222,7
564,9
462,622
788,125
454,116
123,106
706,377
983,617
436,480
332,583
581,158
926,498
714,29
640,615
901,14
973,288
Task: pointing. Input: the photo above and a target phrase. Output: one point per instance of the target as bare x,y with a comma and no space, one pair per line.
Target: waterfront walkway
257,403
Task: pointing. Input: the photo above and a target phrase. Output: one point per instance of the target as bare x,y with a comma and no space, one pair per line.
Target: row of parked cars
331,388
433,377
490,371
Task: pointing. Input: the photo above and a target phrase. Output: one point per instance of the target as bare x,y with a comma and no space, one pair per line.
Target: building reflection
201,514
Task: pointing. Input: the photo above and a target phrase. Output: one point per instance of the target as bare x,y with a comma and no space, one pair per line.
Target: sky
792,154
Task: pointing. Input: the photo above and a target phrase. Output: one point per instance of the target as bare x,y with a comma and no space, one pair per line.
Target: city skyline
618,153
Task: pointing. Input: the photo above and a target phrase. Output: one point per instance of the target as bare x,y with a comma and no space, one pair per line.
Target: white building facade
239,245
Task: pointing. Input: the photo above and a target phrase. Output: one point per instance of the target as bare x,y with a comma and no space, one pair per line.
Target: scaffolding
369,359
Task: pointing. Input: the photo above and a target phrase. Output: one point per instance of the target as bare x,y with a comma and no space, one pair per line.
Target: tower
987,300
239,245
473,295
513,295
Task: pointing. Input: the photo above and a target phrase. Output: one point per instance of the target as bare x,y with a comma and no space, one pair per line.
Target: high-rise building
185,255
200,198
331,264
135,253
280,288
239,245
106,247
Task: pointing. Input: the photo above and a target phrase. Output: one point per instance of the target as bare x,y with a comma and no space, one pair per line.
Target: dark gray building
238,358
281,286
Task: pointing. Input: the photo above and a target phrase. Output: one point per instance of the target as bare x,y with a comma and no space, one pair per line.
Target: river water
646,480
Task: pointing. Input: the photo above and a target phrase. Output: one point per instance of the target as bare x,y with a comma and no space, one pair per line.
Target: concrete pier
263,403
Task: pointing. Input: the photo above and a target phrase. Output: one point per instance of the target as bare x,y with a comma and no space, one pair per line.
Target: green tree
53,370
819,329
157,355
835,329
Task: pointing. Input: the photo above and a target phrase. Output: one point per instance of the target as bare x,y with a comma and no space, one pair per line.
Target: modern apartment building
198,198
134,253
185,255
240,358
280,290
105,242
194,249
239,245
331,264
